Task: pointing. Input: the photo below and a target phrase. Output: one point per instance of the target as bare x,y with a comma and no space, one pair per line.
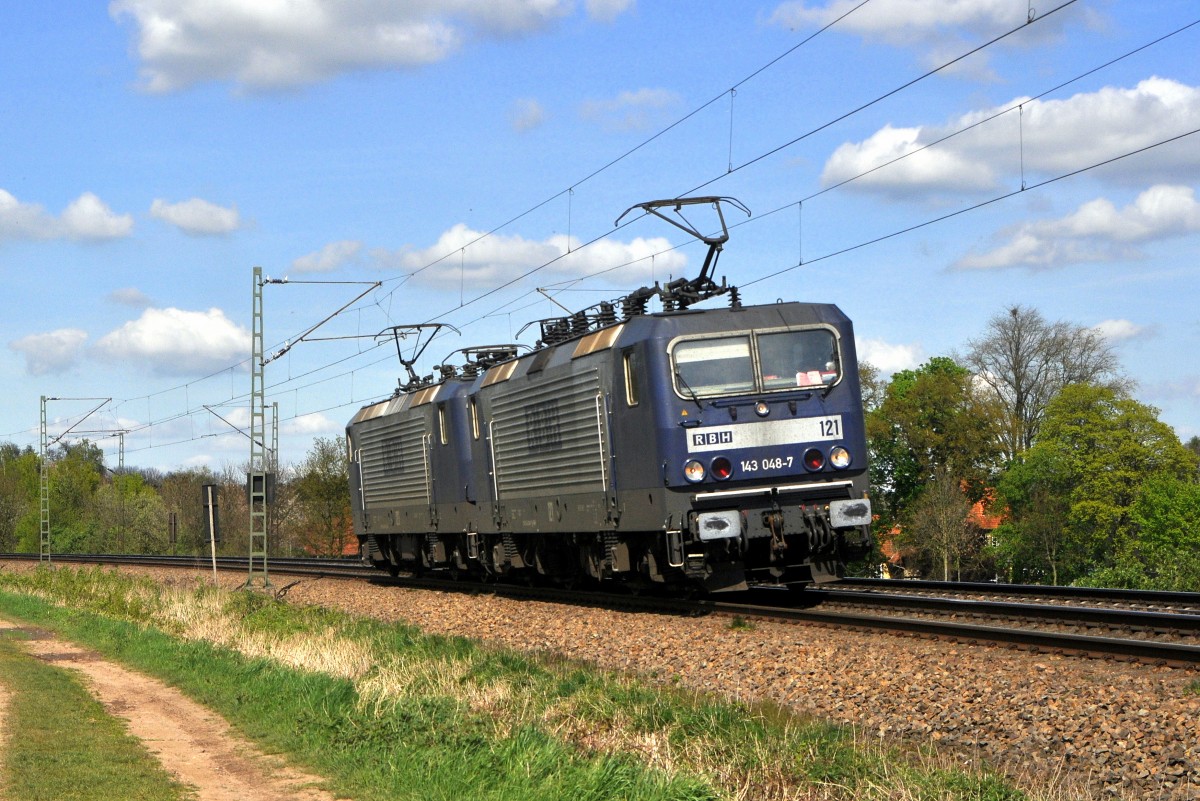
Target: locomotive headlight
814,459
693,471
722,469
762,408
839,457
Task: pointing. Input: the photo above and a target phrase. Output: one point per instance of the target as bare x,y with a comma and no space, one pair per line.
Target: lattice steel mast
257,475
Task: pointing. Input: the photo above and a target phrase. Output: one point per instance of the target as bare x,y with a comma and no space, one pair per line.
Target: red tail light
814,459
721,468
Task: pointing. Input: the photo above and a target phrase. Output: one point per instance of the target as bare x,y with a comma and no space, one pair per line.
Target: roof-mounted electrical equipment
683,292
422,334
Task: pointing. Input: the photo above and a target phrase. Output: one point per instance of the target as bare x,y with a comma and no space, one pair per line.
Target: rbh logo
702,438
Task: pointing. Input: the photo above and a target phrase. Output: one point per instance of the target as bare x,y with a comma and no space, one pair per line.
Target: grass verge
385,711
60,744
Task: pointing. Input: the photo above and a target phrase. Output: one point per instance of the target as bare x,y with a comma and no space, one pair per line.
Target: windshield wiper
688,387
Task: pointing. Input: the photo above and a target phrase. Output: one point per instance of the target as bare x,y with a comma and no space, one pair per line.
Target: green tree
130,517
1095,452
1193,445
323,499
1030,544
19,488
874,388
931,420
1164,551
76,473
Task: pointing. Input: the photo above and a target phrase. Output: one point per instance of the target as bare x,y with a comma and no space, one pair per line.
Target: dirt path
192,742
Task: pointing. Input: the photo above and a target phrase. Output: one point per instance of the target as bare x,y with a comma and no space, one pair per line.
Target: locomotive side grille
395,463
550,438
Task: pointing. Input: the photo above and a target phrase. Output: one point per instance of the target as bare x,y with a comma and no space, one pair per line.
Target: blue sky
152,152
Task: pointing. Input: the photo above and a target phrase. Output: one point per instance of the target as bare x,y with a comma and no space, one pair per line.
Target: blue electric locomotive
718,448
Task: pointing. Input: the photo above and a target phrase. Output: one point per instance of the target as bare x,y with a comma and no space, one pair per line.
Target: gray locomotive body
717,448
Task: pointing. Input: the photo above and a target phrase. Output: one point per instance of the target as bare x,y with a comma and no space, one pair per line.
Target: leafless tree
939,524
323,500
1026,361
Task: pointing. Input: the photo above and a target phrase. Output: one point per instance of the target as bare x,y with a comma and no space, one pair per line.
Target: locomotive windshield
798,359
804,359
714,366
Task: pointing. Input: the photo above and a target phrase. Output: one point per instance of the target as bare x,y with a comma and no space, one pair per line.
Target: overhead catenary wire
850,179
884,237
839,118
489,293
975,207
509,283
569,191
906,85
799,203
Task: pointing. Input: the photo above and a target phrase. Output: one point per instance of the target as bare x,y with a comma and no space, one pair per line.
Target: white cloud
639,110
938,167
526,114
888,357
1097,232
465,256
197,217
177,342
329,258
236,417
938,31
50,353
129,296
23,220
636,261
1045,137
459,257
1120,330
87,218
270,45
903,22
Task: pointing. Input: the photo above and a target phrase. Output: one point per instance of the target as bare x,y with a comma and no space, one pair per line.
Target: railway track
1075,596
1143,626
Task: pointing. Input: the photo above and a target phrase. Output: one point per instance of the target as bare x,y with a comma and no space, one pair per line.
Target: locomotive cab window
769,361
633,366
720,366
806,358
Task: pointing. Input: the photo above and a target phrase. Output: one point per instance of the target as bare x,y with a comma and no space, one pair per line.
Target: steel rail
1153,651
1059,613
1143,650
1146,597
